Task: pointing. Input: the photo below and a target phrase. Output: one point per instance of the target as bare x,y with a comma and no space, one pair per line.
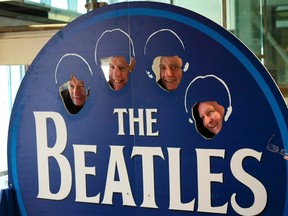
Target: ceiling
18,13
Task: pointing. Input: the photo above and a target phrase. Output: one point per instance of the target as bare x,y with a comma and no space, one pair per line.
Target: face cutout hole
74,94
116,71
208,117
168,71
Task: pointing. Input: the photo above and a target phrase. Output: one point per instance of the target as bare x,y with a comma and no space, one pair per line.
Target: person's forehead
170,60
118,60
74,80
206,105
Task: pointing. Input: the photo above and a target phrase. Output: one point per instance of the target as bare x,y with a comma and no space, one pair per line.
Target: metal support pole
224,14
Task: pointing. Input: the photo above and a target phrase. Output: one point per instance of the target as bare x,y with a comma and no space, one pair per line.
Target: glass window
81,6
263,27
11,77
75,5
36,1
63,4
212,12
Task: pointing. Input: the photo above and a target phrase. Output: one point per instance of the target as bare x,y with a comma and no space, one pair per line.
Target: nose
117,72
78,91
207,121
168,72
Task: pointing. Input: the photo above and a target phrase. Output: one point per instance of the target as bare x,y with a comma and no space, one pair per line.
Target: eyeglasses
275,149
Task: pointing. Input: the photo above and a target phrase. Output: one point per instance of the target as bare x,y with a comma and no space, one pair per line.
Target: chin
171,88
79,103
217,131
118,87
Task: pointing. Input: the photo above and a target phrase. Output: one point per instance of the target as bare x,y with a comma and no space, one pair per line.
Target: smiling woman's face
211,114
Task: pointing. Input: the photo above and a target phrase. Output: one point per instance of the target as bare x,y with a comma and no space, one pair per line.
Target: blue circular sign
148,109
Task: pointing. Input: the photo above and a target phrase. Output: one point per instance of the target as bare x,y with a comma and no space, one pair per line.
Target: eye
122,69
162,67
175,67
71,86
82,84
210,112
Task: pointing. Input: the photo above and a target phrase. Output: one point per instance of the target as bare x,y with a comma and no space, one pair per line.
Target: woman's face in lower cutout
211,114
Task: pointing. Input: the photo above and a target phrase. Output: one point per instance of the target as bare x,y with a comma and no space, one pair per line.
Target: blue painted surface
258,112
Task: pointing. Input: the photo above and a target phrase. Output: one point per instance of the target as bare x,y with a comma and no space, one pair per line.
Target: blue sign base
8,203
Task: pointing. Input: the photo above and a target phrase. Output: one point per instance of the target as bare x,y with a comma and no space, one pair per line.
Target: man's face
77,91
170,72
211,114
118,72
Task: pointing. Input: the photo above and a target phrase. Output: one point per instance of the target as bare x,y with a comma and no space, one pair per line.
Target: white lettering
120,113
258,190
150,121
82,171
175,184
133,120
148,154
44,153
117,167
140,120
121,186
205,178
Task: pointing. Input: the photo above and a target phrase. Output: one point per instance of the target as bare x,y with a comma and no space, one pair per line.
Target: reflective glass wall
11,77
262,25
